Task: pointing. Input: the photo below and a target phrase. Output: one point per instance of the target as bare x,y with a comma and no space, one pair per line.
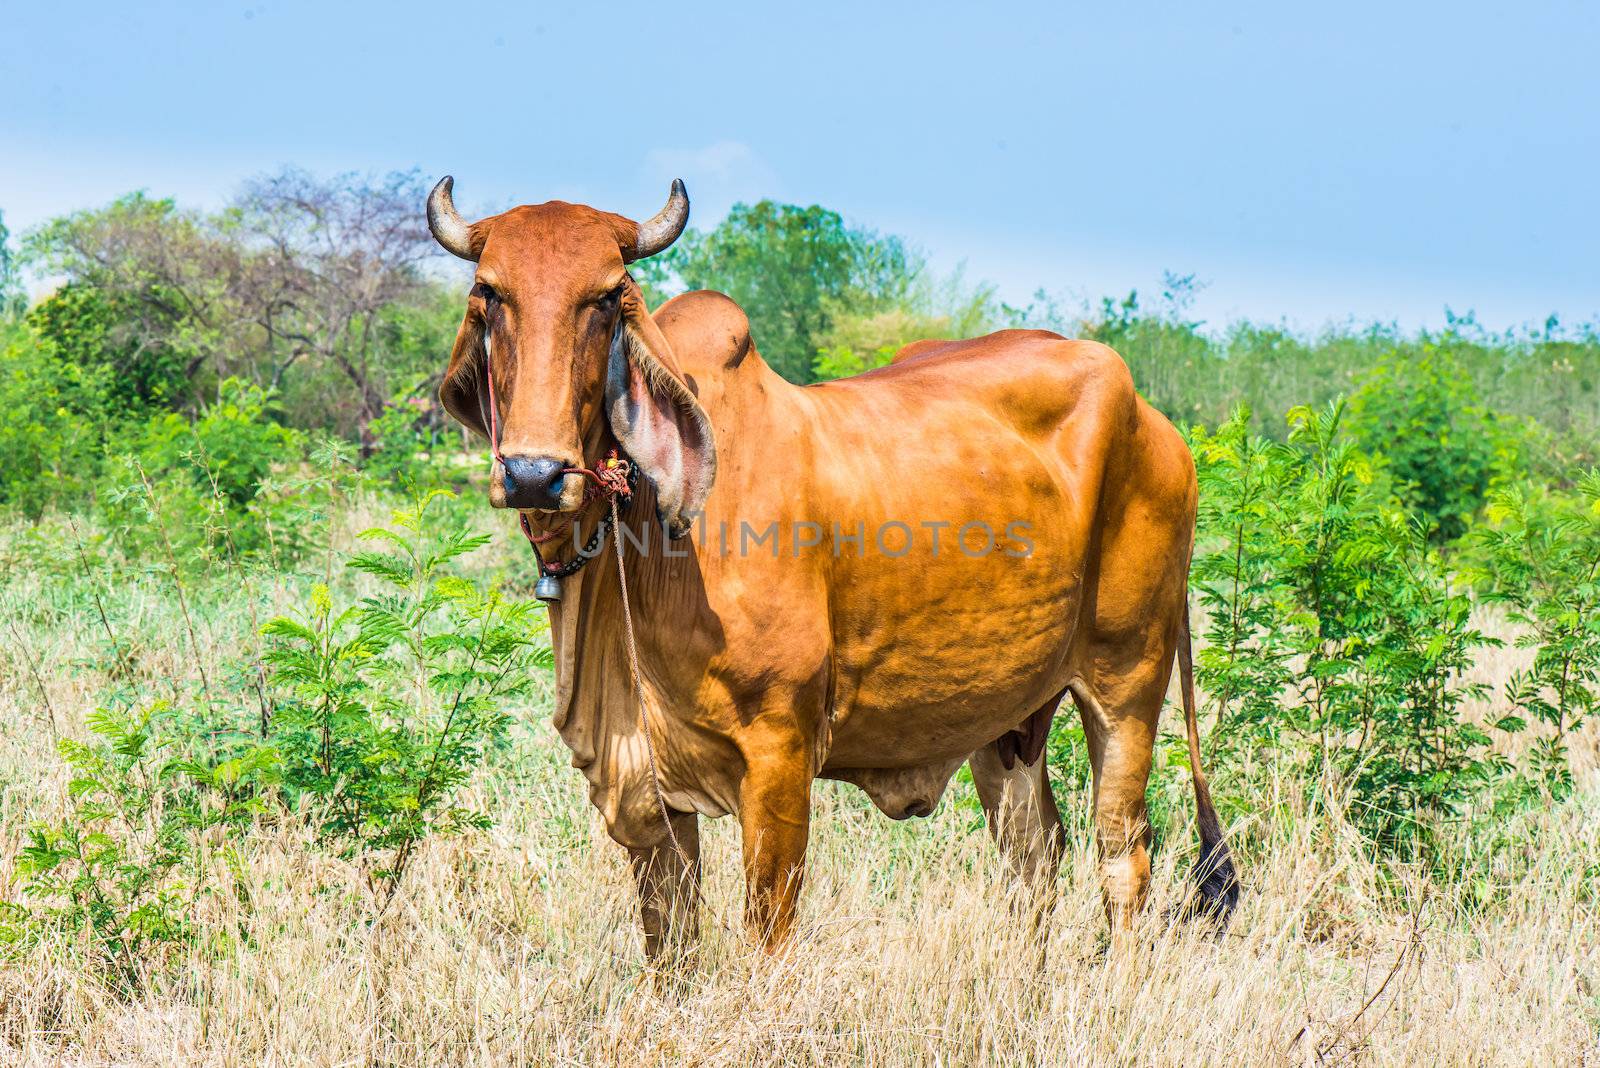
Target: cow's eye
611,298
486,292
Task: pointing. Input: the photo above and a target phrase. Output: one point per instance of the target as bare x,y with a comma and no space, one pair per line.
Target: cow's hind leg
1121,705
669,890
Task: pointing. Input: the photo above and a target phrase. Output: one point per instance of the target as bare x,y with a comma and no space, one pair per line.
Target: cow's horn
662,230
449,228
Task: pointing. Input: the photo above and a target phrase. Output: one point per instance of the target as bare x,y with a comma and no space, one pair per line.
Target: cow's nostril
533,483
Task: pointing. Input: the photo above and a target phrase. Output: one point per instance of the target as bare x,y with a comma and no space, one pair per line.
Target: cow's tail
1216,883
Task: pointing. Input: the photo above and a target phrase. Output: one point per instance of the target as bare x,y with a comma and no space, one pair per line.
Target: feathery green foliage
128,864
1336,630
380,713
1540,557
1421,413
390,704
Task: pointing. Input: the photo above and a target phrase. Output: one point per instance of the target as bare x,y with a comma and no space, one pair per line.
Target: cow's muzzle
532,483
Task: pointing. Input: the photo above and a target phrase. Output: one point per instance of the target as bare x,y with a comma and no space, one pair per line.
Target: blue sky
1310,163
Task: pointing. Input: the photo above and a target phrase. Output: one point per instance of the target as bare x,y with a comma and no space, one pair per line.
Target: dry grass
519,946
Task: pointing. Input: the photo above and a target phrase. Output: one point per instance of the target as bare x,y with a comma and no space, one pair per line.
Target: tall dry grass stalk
518,946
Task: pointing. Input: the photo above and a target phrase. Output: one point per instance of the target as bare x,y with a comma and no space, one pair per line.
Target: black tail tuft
1216,884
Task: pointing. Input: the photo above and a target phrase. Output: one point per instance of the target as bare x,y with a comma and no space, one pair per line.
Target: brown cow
836,612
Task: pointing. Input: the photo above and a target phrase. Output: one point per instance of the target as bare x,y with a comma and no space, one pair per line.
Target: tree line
312,307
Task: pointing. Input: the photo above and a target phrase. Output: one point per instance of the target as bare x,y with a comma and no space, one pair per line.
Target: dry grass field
518,945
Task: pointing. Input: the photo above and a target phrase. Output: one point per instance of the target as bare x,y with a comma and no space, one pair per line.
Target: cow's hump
708,332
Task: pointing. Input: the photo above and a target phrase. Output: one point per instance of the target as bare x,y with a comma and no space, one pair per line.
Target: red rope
494,408
607,480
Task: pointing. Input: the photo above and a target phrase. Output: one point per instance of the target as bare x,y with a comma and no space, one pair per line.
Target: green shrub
229,449
197,486
129,863
50,438
1418,759
1337,636
1422,415
378,714
82,326
388,705
1244,660
1540,557
410,446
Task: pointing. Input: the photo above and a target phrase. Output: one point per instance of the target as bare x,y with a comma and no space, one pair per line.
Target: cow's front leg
669,890
774,821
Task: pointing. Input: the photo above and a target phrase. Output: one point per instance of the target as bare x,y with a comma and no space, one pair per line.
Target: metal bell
548,588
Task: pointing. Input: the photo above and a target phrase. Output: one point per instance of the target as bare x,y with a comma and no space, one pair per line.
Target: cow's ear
655,415
463,391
